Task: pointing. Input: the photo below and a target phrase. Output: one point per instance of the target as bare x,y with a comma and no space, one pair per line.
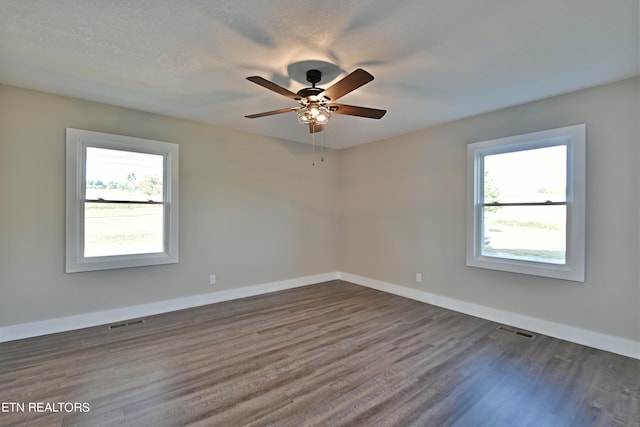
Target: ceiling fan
317,104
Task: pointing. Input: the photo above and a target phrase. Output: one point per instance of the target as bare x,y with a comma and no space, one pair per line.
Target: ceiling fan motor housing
310,91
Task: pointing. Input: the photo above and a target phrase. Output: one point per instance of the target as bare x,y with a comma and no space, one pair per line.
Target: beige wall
253,210
403,207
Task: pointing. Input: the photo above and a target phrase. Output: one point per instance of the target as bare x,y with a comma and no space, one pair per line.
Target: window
526,203
121,202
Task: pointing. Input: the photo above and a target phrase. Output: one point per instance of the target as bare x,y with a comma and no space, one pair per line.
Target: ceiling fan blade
271,113
352,110
351,82
274,87
315,128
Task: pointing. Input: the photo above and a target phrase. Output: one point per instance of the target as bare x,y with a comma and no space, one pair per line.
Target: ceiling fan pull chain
322,148
313,145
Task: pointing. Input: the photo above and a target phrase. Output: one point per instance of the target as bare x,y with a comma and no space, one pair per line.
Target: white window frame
77,141
574,138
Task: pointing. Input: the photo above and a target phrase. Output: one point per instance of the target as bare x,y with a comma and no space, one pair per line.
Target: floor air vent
126,324
513,331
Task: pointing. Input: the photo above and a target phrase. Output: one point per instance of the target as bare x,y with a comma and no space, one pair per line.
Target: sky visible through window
527,176
123,175
114,165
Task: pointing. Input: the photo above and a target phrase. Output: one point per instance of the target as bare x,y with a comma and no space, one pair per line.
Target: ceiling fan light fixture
304,116
315,114
323,116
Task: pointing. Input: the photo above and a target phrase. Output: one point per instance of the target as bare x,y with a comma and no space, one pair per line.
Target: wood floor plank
331,354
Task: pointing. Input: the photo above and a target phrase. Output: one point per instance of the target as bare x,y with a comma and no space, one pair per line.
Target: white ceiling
433,60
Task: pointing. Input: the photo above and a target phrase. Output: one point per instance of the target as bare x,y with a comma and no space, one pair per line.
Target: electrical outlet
212,279
418,277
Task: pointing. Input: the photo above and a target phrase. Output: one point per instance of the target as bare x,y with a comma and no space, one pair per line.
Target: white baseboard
597,340
585,337
79,321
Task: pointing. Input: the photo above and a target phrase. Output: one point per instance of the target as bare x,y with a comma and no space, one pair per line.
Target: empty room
339,213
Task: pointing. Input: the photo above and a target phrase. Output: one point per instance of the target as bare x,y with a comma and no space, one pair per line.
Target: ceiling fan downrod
313,77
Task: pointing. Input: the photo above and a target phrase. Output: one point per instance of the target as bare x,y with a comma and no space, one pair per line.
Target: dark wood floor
331,354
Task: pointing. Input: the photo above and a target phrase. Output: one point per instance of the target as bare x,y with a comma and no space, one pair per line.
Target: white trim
79,321
585,337
77,142
574,138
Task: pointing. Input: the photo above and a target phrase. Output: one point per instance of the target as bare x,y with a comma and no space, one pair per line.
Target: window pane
530,233
122,229
526,176
123,175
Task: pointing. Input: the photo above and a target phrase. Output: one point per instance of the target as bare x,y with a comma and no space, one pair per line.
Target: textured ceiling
433,60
